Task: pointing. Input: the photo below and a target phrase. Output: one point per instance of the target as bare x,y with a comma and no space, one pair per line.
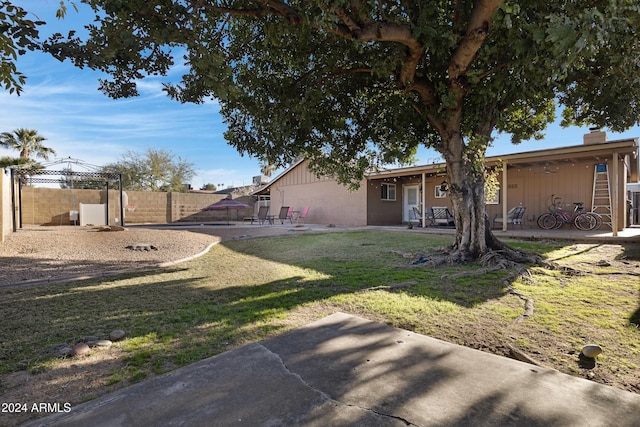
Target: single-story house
574,174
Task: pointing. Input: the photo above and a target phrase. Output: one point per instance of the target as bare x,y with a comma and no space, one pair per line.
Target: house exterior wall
532,188
384,212
572,181
531,180
328,201
527,186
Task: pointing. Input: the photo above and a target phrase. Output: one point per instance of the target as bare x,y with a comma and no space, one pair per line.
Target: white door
411,199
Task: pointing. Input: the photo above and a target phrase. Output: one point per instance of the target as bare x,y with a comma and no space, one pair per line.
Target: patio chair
442,216
297,215
263,215
428,216
514,216
250,218
285,214
417,216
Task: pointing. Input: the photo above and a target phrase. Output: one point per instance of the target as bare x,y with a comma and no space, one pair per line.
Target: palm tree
266,168
7,161
28,142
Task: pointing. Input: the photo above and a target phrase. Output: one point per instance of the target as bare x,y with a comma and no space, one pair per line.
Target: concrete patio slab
347,371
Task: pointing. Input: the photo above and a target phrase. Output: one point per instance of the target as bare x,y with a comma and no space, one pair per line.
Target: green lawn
249,290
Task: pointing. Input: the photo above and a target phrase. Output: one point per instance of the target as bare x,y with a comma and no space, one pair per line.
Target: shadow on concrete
347,371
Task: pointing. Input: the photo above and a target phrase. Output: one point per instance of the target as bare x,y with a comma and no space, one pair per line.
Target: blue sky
62,102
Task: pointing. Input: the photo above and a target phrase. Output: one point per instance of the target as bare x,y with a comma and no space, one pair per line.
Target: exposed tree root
613,273
528,305
501,258
404,254
505,258
388,287
514,353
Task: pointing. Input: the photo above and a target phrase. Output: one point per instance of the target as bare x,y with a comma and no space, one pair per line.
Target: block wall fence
51,206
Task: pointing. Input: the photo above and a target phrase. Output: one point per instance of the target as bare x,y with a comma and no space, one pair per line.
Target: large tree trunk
465,172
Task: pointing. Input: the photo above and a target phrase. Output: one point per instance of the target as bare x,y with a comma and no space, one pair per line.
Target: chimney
595,136
260,180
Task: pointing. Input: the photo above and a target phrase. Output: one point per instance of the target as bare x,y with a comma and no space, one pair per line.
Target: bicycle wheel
559,220
598,219
585,222
546,221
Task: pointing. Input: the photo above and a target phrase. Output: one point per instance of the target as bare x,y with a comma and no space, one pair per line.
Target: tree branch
395,33
424,89
477,31
492,71
384,31
347,20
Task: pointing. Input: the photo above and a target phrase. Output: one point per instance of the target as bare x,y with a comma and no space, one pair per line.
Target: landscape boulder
116,334
79,349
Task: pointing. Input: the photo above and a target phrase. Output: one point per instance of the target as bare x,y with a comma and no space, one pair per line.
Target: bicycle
557,217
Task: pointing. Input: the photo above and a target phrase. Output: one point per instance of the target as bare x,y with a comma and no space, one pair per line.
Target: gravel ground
36,254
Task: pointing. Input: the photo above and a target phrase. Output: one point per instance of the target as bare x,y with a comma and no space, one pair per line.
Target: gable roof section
267,188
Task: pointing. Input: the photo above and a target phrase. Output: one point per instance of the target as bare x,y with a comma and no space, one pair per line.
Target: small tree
208,187
153,170
70,180
267,169
7,161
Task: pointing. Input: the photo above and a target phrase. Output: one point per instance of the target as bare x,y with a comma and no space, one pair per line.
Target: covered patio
595,173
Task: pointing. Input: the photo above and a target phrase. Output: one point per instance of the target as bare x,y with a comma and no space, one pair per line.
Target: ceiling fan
546,170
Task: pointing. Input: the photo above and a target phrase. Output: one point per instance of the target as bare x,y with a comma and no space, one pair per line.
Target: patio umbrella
226,204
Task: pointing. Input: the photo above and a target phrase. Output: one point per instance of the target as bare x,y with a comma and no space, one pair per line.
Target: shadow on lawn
192,310
631,253
43,270
173,308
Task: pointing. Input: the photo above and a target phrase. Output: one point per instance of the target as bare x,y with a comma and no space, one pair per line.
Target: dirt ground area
45,254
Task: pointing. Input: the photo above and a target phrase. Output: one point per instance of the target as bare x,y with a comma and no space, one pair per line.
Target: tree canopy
28,142
153,170
7,161
17,35
350,84
209,187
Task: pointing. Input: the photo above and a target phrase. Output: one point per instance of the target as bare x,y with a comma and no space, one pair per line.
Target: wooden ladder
601,198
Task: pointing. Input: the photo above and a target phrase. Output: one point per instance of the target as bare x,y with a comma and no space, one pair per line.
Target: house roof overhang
597,152
601,152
